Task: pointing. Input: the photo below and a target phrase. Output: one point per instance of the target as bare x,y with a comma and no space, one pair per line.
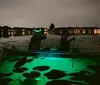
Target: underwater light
37,30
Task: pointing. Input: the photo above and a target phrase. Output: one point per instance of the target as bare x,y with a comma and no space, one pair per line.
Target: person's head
65,34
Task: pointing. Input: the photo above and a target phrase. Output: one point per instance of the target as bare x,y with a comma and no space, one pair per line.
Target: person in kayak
35,41
65,42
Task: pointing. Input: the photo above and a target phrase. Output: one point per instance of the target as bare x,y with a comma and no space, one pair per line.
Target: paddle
72,50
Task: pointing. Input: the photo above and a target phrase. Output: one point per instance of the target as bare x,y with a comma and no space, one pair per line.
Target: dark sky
41,13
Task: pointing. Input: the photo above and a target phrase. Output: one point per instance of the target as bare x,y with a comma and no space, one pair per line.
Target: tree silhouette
52,26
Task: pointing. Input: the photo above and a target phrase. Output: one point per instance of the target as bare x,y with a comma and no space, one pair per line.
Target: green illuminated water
64,64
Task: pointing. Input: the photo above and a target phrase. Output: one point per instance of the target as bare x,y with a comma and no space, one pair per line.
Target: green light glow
37,30
64,64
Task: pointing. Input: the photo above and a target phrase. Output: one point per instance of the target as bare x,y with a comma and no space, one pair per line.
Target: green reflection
64,64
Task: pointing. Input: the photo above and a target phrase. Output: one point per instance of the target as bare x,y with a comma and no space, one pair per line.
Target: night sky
41,13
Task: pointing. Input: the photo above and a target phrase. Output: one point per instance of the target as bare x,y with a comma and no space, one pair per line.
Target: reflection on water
23,33
9,34
97,31
77,31
61,64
